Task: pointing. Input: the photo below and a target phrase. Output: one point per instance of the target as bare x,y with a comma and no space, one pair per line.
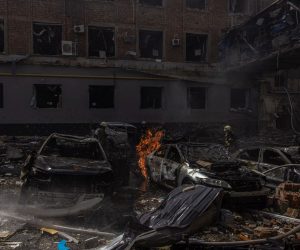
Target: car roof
119,124
73,137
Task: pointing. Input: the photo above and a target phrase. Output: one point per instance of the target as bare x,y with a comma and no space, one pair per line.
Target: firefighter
229,138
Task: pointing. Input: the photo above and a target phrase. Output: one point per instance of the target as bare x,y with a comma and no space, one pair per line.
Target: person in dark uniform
229,138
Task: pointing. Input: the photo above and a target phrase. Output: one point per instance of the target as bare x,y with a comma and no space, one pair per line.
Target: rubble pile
13,152
288,199
234,226
68,197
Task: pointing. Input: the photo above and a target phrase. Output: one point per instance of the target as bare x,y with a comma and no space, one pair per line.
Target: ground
112,217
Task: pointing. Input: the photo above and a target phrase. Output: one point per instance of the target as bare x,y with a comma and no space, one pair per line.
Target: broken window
196,47
239,98
101,96
151,2
151,97
151,44
101,42
238,6
196,4
46,96
47,39
273,158
174,155
1,95
197,98
1,36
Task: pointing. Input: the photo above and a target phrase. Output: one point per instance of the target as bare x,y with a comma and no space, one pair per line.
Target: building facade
83,61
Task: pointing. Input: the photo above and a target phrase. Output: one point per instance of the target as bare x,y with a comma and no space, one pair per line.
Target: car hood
55,164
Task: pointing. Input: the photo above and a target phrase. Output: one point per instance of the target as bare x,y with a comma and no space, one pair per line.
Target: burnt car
206,164
66,171
118,140
276,164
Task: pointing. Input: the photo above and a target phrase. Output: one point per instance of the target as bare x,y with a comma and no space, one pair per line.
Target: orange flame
148,143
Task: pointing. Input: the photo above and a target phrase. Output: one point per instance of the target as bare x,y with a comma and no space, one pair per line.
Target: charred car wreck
206,164
66,171
275,164
118,140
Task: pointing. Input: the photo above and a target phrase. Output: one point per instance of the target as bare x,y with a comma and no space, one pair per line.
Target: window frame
247,98
189,106
161,98
138,44
103,27
100,86
4,35
205,59
50,24
60,102
247,11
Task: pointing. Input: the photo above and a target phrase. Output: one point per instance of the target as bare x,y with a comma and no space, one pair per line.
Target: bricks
288,199
173,18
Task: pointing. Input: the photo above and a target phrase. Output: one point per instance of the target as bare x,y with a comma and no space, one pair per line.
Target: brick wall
126,16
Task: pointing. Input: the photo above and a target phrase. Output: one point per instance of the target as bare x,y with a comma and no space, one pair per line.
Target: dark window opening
238,6
101,96
196,47
151,97
249,155
197,98
47,39
174,155
151,2
1,36
239,98
151,44
196,4
46,96
1,95
271,157
101,42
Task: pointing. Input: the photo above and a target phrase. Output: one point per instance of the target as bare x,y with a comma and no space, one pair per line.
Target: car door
171,163
271,158
155,163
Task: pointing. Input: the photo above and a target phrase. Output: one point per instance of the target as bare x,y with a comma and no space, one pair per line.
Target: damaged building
265,49
80,62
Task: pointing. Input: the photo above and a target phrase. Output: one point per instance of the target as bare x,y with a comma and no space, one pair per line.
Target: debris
264,232
64,235
13,245
62,245
288,199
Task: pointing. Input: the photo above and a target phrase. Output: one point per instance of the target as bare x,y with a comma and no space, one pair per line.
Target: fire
148,143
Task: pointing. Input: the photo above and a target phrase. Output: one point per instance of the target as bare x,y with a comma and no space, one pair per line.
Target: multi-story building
266,50
83,61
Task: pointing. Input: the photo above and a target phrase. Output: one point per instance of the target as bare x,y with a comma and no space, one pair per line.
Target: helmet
103,124
227,128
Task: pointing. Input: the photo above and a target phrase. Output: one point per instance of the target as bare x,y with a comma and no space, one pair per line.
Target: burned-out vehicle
118,140
207,164
66,171
276,164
